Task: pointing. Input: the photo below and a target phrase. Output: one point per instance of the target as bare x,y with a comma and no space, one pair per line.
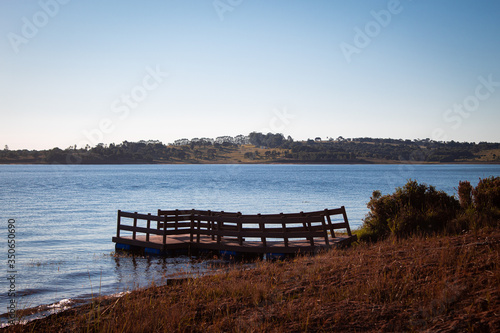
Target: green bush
480,205
419,208
413,208
486,195
465,194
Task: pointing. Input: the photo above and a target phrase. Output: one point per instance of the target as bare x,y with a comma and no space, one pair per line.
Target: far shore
284,162
257,148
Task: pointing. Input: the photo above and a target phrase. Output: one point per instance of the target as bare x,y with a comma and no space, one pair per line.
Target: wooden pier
171,232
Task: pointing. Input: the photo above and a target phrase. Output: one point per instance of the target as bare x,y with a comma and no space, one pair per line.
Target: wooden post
306,227
311,239
118,222
240,238
135,225
176,219
307,224
158,222
164,230
198,230
329,221
191,229
325,231
219,229
148,227
285,238
262,228
211,224
346,221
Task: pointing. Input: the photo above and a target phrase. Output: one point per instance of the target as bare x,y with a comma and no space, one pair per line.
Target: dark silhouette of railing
228,231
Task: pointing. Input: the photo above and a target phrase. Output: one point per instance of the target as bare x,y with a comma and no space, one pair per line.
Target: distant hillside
264,148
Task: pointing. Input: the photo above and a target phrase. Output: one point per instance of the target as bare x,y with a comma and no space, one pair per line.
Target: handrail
236,228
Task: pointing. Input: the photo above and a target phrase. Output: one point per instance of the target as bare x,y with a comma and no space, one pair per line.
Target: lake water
65,216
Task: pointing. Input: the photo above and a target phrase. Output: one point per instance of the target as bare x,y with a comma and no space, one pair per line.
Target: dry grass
418,284
492,155
237,154
229,155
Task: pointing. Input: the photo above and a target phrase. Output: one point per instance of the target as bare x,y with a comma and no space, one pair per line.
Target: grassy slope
438,283
489,155
236,155
232,155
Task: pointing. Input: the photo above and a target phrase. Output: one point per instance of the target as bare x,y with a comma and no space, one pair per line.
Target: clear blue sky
84,72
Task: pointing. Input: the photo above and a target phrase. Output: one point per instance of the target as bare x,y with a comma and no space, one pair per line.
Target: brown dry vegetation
434,284
489,155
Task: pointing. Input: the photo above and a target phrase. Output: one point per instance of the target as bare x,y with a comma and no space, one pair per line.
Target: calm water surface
66,215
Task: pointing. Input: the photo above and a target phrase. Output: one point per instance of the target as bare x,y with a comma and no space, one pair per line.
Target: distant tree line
268,147
238,140
269,140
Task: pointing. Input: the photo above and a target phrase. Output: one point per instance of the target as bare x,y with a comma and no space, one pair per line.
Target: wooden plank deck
194,230
206,243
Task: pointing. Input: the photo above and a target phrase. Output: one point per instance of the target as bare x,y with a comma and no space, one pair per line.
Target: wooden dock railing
229,231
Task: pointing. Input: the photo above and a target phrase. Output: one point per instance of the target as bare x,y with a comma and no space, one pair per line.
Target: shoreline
44,310
264,149
413,284
272,163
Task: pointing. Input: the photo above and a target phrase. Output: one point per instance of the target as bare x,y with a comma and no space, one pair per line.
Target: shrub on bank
487,196
480,205
420,208
413,208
